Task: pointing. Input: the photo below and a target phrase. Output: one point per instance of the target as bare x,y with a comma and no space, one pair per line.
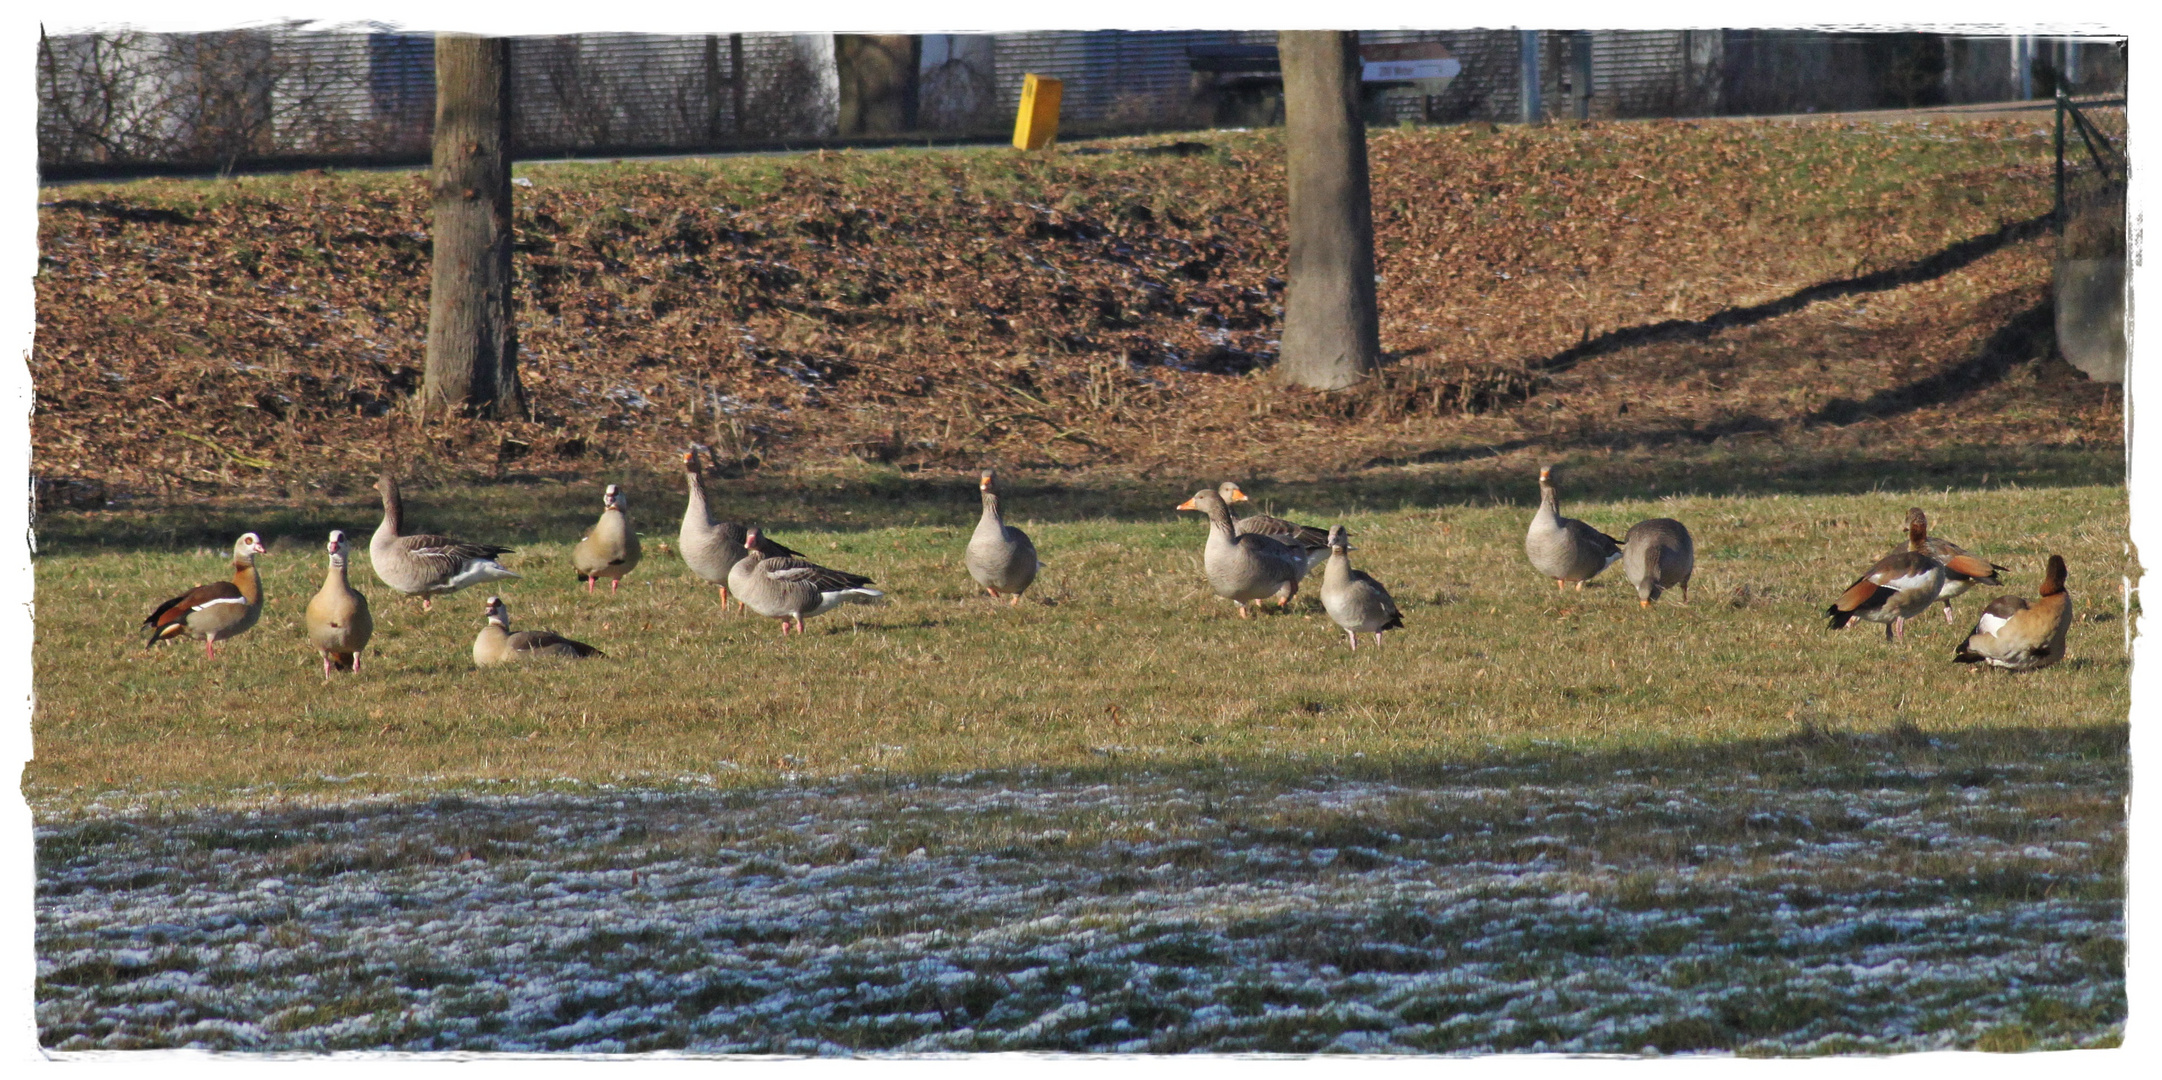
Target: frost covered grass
1814,894
1121,655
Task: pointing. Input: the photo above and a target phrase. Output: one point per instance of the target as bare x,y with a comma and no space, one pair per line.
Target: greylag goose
1565,549
1658,555
711,549
338,621
1901,585
1354,599
1000,557
1249,567
219,611
498,645
427,565
1962,569
1313,542
795,588
610,548
2018,636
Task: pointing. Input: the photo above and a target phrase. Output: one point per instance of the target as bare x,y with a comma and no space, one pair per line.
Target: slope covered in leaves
1103,309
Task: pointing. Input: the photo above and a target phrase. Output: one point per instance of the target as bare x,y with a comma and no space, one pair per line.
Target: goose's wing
446,551
825,579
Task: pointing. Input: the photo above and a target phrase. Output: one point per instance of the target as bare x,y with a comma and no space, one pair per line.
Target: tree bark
472,365
878,82
1332,327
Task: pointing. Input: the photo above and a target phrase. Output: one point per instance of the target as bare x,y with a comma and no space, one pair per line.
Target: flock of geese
1247,560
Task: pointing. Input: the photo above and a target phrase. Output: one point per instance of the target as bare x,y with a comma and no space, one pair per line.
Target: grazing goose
1901,585
426,565
790,587
1000,557
497,645
1565,549
219,611
1658,555
1355,600
1247,567
1313,542
338,621
713,549
610,548
2018,636
1962,570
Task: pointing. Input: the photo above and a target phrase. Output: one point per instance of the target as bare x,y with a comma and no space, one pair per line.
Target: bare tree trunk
472,365
1332,328
878,82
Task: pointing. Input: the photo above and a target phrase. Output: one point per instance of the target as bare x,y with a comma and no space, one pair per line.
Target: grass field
1115,819
1118,655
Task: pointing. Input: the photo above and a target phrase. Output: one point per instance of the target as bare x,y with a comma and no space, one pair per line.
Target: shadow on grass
532,509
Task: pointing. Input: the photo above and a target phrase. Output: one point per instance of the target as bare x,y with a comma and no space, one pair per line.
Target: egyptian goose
1657,555
426,565
1313,542
1352,598
790,587
610,548
1565,549
2018,636
1901,585
338,621
1248,567
497,645
1000,557
1962,569
711,549
219,611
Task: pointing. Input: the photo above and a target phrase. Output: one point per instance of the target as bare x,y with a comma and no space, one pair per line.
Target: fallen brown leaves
938,310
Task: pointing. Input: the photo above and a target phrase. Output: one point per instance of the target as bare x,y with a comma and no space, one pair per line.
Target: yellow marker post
1037,125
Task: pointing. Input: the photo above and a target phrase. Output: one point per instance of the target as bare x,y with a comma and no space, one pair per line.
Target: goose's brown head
497,613
1917,529
2053,576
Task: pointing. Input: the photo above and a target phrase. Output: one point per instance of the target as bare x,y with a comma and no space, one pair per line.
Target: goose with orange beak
1249,568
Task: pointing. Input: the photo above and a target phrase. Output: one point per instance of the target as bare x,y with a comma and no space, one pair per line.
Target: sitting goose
2018,636
338,621
1565,549
1901,585
1000,557
794,588
426,565
1354,599
219,611
1308,539
1658,555
1247,567
497,645
610,548
712,549
1962,570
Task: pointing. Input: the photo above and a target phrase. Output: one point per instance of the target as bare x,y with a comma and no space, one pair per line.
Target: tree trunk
1332,328
472,366
878,82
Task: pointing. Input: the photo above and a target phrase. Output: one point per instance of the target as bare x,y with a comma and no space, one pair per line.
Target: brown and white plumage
2016,635
794,588
609,549
1901,585
337,618
497,644
1245,567
1313,542
1000,557
427,565
1565,549
1963,570
219,611
710,548
1658,554
1353,599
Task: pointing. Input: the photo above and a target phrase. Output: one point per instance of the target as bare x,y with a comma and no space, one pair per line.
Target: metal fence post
1527,71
